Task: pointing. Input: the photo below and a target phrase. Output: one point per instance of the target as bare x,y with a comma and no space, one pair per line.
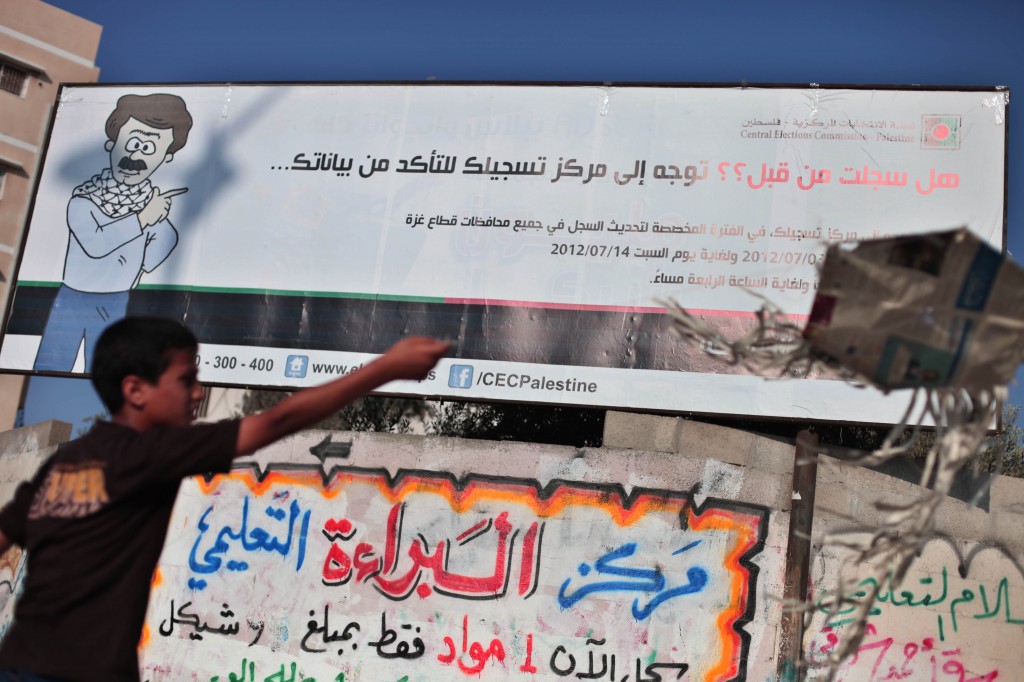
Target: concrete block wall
391,557
959,614
21,453
556,562
661,553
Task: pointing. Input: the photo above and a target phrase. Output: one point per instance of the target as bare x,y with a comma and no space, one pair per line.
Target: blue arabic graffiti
251,539
644,580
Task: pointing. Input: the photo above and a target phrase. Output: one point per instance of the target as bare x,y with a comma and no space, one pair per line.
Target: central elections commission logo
460,376
940,132
296,366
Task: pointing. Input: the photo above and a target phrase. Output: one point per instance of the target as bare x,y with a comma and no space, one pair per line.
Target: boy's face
173,400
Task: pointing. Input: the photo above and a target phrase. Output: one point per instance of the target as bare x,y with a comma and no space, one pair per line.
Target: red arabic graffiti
883,659
399,581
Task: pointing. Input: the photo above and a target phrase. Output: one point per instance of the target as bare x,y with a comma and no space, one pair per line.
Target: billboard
300,230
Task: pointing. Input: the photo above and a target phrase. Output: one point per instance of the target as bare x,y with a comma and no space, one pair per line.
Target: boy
94,518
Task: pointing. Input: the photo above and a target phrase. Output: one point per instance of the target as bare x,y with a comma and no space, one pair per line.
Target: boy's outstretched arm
411,359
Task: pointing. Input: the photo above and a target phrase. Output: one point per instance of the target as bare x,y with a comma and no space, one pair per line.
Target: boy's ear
134,389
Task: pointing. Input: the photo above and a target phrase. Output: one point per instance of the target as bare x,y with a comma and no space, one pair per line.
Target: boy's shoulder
94,442
107,438
159,453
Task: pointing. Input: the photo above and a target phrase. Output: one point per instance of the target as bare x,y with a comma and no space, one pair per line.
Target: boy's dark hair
135,345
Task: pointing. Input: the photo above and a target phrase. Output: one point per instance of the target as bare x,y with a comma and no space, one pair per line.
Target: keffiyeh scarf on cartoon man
115,199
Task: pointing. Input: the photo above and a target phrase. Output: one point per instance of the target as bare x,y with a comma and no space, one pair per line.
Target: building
41,46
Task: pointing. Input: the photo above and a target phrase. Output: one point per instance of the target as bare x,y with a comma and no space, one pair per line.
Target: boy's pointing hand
414,357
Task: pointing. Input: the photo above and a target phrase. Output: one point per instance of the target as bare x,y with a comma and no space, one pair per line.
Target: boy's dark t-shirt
93,521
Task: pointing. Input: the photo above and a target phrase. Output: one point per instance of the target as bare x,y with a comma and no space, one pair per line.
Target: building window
12,79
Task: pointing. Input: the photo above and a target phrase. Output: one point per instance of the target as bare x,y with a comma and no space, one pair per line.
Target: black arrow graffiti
326,448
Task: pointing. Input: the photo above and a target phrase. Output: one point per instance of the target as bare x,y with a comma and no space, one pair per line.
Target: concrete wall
381,557
959,614
21,453
438,559
434,559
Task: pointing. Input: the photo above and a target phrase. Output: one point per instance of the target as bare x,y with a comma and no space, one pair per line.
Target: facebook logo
460,376
296,366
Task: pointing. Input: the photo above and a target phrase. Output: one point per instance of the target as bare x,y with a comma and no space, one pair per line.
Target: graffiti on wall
292,574
17,463
952,619
12,580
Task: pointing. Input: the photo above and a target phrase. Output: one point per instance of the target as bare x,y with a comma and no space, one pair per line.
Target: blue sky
939,42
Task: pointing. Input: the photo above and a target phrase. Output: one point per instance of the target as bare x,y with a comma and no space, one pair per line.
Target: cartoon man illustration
117,227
